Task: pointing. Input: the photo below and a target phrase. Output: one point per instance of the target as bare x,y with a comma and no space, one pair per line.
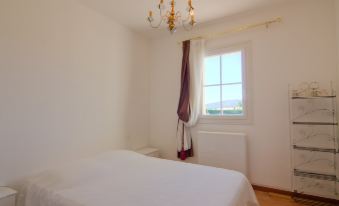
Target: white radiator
223,150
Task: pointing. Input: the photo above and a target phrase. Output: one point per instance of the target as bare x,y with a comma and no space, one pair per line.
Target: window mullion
220,69
213,85
226,84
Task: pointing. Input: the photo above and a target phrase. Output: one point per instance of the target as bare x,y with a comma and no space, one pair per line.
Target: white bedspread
124,178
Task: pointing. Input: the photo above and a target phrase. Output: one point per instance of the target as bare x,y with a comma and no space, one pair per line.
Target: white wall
69,78
138,115
337,38
302,48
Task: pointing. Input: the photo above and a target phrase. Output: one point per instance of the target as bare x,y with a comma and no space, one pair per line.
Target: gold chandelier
172,17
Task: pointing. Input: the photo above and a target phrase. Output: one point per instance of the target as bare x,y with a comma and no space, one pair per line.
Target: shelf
318,97
314,162
314,136
315,187
315,175
314,149
315,123
314,139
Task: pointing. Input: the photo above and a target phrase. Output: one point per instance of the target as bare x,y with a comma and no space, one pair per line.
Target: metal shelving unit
314,142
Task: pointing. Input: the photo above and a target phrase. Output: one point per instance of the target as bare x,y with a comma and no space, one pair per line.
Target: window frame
231,119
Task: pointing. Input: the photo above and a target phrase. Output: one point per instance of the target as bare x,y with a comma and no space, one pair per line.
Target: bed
125,178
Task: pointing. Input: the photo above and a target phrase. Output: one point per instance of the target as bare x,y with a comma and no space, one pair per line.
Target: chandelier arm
188,17
168,13
185,26
161,14
162,18
183,21
186,23
178,14
157,25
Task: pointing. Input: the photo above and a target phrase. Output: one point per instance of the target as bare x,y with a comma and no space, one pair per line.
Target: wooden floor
272,199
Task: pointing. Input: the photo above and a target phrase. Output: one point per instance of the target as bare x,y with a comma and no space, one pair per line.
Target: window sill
226,120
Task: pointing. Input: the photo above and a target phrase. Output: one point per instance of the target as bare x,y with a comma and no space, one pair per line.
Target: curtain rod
236,29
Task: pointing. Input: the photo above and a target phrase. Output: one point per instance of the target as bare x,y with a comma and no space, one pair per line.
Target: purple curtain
184,109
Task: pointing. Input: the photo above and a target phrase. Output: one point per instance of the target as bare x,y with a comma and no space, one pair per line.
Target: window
224,87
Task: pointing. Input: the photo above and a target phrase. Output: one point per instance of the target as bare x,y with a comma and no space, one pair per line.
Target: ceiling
133,13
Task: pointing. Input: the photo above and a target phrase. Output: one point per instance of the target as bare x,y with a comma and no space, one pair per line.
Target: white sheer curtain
197,53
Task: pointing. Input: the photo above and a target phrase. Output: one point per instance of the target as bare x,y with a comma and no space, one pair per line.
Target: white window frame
232,119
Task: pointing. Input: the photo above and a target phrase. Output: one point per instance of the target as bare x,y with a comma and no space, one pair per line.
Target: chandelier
172,17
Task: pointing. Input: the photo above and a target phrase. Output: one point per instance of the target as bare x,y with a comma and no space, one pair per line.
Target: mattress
125,178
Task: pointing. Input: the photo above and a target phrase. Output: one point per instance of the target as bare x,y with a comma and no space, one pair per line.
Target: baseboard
295,195
272,190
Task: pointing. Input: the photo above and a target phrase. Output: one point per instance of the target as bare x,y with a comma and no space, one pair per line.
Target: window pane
232,101
212,70
212,100
232,67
